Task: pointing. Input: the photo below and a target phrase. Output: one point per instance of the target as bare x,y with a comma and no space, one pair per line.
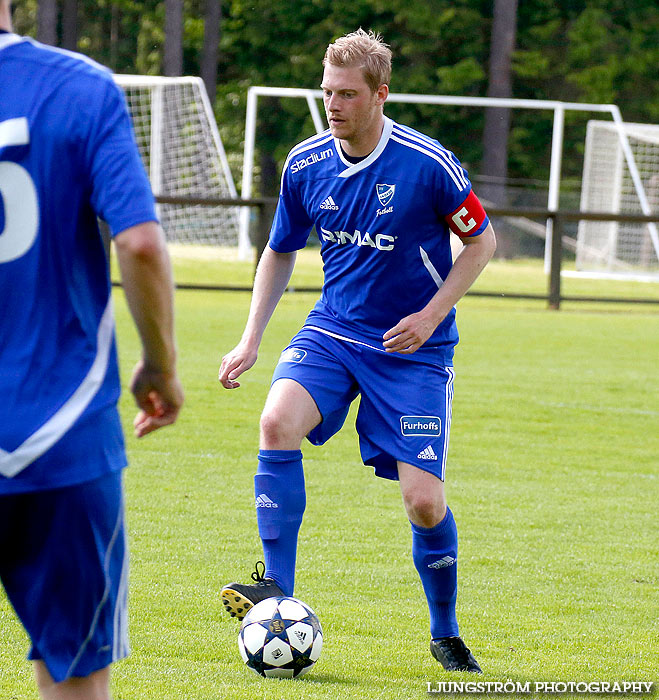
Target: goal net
183,154
628,249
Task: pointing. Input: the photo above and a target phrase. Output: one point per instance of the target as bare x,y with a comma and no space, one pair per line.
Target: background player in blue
67,154
383,199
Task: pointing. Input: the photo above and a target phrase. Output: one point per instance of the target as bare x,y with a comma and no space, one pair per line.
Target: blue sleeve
452,185
121,192
291,225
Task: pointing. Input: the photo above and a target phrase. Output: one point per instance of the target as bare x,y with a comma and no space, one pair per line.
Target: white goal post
183,154
558,109
611,248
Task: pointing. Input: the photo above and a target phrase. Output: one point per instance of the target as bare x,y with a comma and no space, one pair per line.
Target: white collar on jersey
9,39
354,168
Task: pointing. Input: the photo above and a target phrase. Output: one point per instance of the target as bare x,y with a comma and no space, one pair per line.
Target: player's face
354,111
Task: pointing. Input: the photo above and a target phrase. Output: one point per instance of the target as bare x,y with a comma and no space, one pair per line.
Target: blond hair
364,50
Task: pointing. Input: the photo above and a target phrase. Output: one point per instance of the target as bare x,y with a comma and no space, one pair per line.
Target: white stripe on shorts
106,591
120,645
448,414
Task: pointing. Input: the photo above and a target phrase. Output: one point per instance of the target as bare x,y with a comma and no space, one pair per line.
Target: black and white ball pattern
280,637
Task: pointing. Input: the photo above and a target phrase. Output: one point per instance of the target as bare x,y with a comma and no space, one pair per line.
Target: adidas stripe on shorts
405,404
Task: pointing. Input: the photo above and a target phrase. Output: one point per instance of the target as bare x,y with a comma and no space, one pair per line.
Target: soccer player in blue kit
67,155
384,200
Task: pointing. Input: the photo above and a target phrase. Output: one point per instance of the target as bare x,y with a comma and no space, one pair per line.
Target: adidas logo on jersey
329,203
263,501
427,453
442,563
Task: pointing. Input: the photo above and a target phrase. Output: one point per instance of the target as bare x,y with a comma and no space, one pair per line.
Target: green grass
552,477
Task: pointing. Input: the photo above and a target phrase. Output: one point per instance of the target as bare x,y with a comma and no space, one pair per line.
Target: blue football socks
280,503
435,555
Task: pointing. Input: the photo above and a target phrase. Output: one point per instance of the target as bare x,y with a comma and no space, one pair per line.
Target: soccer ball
280,637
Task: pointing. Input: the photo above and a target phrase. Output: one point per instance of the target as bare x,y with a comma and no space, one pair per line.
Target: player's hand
159,396
234,363
409,334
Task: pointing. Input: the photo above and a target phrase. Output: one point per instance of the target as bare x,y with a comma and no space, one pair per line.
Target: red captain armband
467,218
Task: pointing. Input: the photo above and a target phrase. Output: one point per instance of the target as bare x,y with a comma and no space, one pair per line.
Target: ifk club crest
385,193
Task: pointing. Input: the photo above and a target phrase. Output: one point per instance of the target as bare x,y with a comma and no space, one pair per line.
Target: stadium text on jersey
313,158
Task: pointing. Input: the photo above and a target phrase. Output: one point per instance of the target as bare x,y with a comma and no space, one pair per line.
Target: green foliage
611,56
460,78
24,17
576,50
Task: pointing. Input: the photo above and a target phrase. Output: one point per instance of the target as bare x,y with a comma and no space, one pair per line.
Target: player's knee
278,432
95,686
423,508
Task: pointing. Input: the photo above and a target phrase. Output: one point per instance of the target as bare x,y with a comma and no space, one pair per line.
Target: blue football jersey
67,155
384,226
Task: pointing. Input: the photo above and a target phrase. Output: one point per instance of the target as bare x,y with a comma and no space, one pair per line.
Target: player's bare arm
147,281
272,276
411,332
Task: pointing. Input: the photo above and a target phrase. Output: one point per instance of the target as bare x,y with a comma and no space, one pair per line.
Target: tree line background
573,50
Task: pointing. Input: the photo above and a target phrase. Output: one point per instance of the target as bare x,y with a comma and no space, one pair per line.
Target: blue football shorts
405,403
64,567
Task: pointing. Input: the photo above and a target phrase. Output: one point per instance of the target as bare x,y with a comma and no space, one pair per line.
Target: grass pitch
552,477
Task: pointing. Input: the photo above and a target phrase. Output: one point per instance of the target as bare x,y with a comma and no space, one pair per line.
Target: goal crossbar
557,107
